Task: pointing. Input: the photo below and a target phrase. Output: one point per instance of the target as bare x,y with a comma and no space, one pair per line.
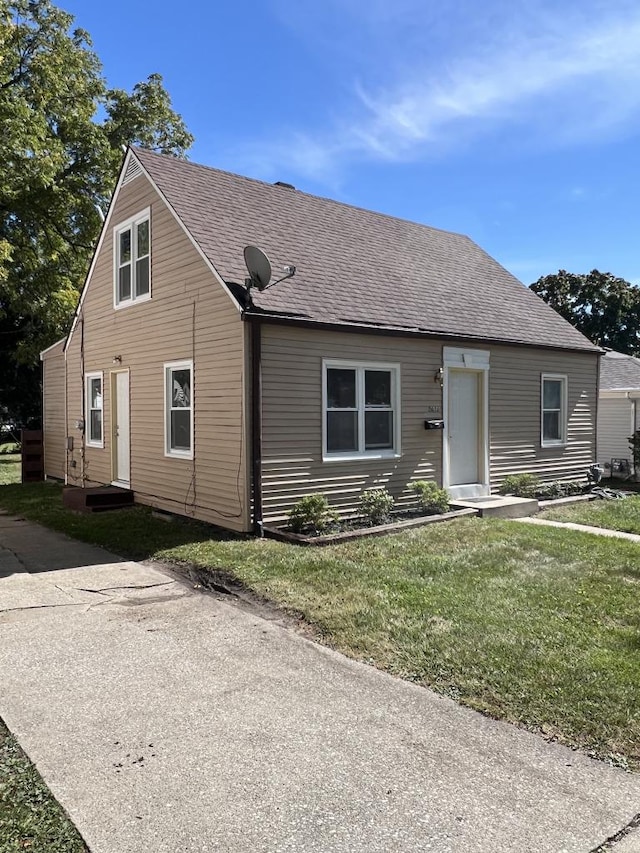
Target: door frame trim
473,361
113,390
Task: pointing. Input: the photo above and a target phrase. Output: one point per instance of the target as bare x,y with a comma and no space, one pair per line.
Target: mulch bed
357,532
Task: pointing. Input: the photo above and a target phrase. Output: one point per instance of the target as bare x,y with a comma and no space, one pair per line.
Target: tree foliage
63,132
604,308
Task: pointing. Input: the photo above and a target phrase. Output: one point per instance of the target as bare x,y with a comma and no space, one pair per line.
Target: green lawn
30,818
9,469
615,514
535,625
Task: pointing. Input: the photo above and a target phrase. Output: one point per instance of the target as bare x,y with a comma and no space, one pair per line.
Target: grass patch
621,515
9,447
10,469
30,818
534,625
133,533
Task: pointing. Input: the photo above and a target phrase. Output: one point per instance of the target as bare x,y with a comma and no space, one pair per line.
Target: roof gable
354,266
131,169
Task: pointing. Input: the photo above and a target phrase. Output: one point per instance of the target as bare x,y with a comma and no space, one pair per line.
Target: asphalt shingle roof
619,372
354,266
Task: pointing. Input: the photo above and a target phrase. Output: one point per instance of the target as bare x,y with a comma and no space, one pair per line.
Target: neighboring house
227,407
618,409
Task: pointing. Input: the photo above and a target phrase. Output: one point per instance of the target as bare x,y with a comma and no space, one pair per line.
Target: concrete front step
499,506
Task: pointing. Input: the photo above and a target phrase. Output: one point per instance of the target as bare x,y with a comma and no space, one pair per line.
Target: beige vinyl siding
292,417
53,415
292,463
615,425
514,413
189,317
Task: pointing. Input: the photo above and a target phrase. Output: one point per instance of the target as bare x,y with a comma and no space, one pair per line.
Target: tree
604,308
63,132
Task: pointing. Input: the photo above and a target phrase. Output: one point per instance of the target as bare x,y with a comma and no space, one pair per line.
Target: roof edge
105,225
356,207
187,232
53,346
398,331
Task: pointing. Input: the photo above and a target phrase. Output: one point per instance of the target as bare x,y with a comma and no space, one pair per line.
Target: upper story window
132,259
553,410
361,410
94,410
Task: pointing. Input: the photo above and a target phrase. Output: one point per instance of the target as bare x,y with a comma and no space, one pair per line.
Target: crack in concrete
71,603
42,606
15,556
610,842
129,586
106,589
63,591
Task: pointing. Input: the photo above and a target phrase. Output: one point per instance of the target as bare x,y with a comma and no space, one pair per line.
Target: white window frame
562,378
88,377
130,224
170,366
360,366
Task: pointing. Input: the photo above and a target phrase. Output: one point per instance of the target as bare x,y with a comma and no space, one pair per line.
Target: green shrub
634,444
430,497
312,514
548,491
520,485
376,505
529,486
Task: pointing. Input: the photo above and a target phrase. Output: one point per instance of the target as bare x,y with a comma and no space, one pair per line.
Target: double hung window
361,410
178,380
94,410
553,410
132,245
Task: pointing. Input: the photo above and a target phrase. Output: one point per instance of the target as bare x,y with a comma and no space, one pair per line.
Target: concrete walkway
585,528
166,720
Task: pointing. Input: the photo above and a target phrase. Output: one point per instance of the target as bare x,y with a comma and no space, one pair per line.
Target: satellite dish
258,266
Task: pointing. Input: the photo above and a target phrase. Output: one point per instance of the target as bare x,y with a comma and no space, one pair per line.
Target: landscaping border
380,530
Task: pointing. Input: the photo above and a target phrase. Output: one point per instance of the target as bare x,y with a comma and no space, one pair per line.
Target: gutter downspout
256,422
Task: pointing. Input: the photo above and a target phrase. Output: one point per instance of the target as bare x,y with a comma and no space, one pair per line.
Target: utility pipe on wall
256,422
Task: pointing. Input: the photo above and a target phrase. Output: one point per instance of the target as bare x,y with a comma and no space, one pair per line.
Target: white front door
120,421
463,427
465,462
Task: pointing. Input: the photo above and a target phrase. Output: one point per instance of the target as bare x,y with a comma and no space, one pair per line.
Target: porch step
96,499
499,506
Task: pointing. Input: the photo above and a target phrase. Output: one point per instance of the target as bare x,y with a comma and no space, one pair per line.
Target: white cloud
574,74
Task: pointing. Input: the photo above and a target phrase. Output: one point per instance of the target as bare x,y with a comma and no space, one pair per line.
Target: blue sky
516,122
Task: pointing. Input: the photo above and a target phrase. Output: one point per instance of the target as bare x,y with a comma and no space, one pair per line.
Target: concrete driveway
166,720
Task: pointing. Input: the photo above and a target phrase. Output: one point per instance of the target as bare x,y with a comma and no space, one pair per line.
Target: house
396,352
618,411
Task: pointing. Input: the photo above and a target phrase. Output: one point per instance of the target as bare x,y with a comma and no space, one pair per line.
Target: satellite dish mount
259,269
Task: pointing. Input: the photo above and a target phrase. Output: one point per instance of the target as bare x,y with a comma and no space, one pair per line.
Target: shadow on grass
134,533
